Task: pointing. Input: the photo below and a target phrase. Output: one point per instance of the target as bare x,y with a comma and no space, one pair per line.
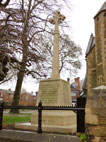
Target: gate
81,102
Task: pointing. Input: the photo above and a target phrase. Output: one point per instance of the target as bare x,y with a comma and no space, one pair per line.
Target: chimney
77,82
68,80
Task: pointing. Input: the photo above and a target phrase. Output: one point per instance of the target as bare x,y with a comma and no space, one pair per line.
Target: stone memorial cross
57,19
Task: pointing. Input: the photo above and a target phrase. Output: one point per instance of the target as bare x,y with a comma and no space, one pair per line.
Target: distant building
6,95
26,99
75,89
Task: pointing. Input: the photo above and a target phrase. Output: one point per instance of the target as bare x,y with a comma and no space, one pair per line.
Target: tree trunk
21,73
17,92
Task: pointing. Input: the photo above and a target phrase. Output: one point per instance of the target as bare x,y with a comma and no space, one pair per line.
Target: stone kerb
96,115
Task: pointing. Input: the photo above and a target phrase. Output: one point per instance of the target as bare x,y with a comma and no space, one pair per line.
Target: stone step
66,129
26,136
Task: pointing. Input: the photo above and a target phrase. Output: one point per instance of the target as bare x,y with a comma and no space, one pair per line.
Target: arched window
105,14
97,18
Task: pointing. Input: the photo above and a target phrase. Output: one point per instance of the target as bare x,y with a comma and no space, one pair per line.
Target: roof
7,91
91,44
85,83
100,87
103,8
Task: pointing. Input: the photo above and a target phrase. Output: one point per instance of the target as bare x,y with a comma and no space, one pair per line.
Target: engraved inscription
49,93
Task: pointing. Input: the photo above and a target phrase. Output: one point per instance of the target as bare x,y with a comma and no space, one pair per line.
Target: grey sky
82,25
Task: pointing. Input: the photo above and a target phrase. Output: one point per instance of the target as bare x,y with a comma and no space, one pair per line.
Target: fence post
1,113
81,115
39,117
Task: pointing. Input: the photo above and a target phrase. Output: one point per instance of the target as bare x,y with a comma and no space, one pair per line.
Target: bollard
39,117
1,113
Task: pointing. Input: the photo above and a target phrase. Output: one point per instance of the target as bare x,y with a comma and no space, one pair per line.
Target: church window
26,98
105,14
100,79
105,33
97,18
1,95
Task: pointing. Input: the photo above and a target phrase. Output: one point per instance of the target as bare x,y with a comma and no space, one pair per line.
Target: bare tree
69,55
4,4
23,32
23,27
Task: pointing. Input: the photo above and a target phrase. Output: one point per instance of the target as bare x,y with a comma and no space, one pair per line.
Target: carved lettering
49,93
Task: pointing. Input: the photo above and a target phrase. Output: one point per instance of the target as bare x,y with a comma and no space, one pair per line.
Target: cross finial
58,17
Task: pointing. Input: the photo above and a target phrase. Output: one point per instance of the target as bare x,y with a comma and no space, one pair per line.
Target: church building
96,52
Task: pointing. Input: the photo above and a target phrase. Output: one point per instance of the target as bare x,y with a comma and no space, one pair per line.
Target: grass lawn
16,119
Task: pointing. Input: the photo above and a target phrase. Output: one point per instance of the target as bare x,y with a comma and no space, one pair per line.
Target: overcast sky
82,25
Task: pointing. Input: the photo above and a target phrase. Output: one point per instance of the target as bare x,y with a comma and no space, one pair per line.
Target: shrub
83,138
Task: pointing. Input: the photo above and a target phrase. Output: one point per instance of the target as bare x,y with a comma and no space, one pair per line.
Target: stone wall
91,71
96,115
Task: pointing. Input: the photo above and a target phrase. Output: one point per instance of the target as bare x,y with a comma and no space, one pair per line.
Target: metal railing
40,108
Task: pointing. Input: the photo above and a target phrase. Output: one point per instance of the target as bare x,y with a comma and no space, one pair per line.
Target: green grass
15,119
20,114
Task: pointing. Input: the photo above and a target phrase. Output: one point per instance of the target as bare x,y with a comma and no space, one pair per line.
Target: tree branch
4,4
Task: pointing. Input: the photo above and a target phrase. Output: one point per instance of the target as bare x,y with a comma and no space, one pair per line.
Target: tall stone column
57,18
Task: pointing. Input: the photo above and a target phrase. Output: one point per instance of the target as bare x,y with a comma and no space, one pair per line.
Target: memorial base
55,117
56,121
67,129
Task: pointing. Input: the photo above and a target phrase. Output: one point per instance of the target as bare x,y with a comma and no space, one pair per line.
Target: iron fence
79,111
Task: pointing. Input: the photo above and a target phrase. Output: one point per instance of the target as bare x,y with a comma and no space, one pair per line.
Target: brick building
6,95
26,98
75,89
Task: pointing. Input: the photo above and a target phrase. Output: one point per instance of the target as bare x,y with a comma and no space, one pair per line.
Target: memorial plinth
55,93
